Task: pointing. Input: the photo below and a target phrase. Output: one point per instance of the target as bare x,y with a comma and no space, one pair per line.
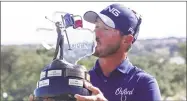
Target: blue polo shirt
126,83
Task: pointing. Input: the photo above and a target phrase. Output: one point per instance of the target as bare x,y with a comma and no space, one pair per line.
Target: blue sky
19,20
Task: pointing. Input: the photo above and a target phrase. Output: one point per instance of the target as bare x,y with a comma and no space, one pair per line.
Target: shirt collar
124,67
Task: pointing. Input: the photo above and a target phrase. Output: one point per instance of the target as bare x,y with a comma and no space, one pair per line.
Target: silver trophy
73,42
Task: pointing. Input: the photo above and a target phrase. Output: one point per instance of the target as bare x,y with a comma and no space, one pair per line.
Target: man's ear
128,39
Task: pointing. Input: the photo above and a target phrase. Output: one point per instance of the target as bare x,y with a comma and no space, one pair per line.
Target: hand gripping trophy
63,77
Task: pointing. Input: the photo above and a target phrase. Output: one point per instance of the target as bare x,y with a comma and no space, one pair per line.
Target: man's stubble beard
109,50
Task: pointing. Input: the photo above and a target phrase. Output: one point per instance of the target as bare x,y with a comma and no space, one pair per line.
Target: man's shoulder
147,86
144,73
141,75
91,70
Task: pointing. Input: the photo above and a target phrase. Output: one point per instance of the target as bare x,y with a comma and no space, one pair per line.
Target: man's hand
96,94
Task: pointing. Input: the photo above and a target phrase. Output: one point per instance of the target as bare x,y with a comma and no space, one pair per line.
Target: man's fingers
90,87
85,98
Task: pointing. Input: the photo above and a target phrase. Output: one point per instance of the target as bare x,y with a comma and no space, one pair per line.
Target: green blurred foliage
182,50
20,70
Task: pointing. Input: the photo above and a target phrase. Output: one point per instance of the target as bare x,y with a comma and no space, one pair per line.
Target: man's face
108,40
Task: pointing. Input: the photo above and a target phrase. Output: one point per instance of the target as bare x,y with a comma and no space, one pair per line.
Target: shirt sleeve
148,89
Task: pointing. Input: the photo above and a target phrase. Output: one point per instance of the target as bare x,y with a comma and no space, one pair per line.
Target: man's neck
108,64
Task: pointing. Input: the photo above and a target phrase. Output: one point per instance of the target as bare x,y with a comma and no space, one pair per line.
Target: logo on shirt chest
124,93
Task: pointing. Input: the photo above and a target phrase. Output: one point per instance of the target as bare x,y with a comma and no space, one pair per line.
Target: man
113,77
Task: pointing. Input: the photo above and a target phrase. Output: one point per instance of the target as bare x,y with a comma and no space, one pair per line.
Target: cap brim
91,16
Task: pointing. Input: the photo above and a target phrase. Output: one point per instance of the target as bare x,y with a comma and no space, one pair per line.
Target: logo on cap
114,11
131,30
